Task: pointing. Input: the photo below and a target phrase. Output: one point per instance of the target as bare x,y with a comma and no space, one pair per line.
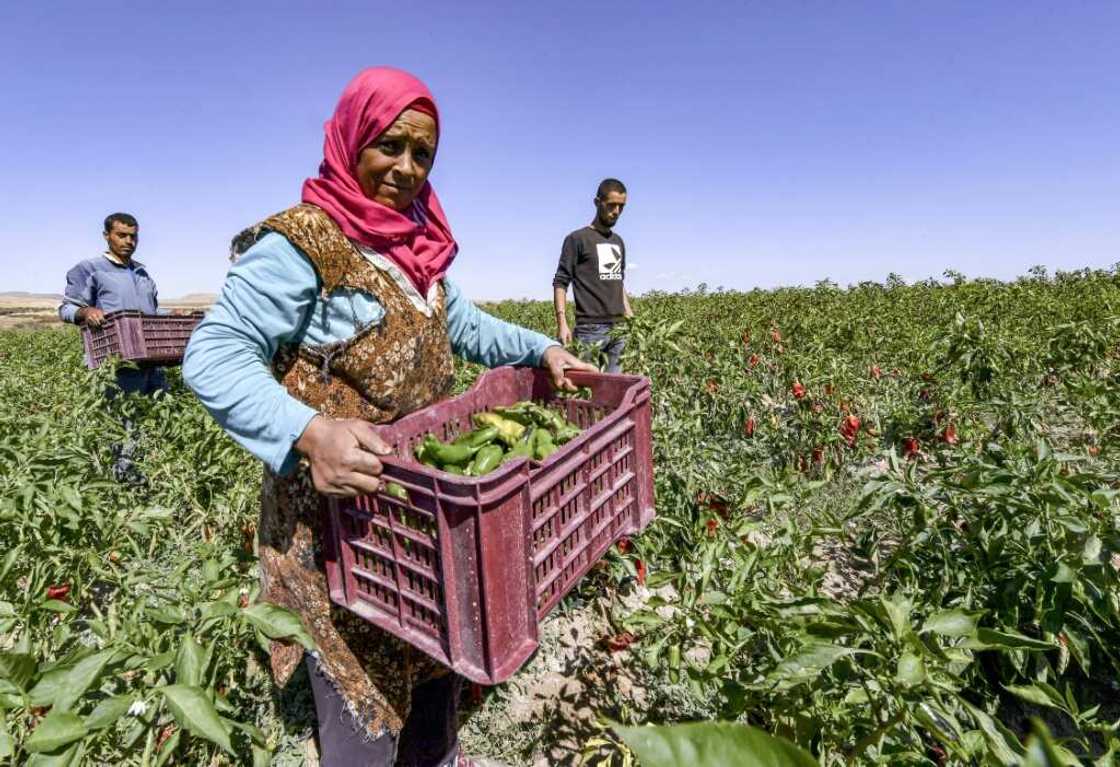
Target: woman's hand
557,360
343,455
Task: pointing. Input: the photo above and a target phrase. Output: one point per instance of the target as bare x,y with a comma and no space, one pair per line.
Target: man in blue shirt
111,282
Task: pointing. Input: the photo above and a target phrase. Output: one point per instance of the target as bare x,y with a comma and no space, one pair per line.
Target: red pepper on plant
640,568
876,372
59,592
624,545
712,525
798,390
911,447
619,642
949,436
748,426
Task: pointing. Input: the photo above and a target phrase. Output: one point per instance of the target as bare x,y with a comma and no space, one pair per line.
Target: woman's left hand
557,360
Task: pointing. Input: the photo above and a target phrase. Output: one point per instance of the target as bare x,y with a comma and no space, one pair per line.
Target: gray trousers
598,333
429,738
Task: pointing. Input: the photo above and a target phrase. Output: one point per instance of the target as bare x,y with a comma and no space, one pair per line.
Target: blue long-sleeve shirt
271,298
107,285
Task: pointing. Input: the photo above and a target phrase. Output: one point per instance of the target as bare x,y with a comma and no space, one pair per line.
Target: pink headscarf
369,105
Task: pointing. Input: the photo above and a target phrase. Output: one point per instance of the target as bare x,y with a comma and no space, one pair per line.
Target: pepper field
888,532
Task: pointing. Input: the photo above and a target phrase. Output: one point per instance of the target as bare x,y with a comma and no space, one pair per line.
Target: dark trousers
599,333
429,737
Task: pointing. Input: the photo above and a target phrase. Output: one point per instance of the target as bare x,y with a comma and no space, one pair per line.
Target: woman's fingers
359,483
558,361
359,461
368,438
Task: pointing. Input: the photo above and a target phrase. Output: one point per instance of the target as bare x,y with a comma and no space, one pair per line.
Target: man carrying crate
113,282
593,261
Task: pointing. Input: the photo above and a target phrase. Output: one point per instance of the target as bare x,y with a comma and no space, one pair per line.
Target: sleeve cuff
539,344
296,420
67,312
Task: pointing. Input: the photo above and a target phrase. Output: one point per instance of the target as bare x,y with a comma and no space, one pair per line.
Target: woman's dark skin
343,453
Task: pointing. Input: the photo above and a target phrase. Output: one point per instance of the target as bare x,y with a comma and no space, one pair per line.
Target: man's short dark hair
608,185
124,218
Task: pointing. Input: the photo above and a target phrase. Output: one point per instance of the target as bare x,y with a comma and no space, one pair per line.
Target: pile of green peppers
524,430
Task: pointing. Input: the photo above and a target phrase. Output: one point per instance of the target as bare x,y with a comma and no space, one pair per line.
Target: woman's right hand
343,455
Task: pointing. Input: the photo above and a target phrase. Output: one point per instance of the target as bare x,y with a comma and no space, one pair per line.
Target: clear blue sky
763,143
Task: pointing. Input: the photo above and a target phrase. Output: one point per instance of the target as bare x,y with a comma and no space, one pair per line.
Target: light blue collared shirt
108,285
270,299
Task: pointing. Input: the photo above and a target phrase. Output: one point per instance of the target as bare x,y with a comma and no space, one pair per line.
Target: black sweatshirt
596,265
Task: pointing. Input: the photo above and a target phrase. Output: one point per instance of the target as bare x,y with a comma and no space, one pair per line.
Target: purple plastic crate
158,339
467,567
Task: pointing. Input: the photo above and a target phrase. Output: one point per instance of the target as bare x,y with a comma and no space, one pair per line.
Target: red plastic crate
466,568
158,339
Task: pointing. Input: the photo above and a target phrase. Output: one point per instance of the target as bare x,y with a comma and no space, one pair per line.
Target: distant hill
23,295
193,298
23,298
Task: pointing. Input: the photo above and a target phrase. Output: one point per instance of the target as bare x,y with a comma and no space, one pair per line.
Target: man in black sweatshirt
593,261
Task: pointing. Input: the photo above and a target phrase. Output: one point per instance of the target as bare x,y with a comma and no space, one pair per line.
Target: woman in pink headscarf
338,315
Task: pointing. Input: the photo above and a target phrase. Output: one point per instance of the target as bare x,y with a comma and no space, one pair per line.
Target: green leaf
108,711
952,623
1091,552
217,610
1003,745
711,744
17,668
161,661
68,758
1042,751
168,614
254,732
58,606
989,638
277,623
911,670
9,560
60,687
807,664
262,757
195,713
1034,694
6,747
898,609
57,729
1063,574
190,664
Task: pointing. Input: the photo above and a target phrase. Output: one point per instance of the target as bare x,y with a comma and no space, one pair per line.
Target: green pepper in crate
454,469
566,433
422,454
542,444
478,437
396,491
520,450
431,449
486,460
509,431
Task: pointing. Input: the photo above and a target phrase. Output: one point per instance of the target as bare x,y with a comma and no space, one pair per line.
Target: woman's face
395,166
